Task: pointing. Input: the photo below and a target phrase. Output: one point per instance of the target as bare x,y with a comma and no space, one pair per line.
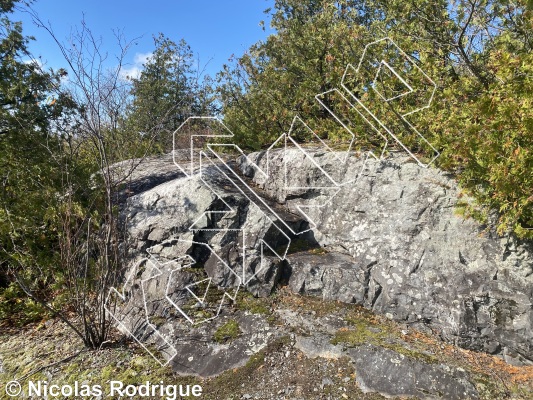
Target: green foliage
18,309
479,55
166,93
483,127
52,199
277,79
29,162
59,226
247,302
489,141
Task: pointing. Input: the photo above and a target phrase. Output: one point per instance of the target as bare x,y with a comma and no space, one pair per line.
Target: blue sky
214,29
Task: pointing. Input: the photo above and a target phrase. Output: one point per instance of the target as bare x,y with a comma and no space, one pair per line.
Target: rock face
380,233
398,247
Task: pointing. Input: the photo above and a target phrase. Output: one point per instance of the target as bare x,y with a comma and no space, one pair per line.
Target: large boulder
384,234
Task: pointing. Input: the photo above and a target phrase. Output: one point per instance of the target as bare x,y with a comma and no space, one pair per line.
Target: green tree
167,91
485,132
278,78
59,226
29,161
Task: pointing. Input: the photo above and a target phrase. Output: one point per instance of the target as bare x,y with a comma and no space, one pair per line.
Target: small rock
326,382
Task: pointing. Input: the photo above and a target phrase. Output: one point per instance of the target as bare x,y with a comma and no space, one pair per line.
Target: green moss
360,335
107,373
412,353
132,365
320,307
227,332
460,212
201,315
488,388
157,320
383,336
247,302
196,269
209,308
255,361
318,251
272,319
230,383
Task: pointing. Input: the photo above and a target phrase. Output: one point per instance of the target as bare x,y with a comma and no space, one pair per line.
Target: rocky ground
318,350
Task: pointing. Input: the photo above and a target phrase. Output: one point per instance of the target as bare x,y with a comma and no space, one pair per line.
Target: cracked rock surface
386,238
412,257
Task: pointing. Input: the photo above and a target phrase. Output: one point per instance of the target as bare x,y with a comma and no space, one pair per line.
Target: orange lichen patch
496,367
437,346
525,375
414,335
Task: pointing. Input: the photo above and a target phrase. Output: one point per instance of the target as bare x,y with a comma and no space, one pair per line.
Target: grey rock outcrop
413,258
388,240
392,374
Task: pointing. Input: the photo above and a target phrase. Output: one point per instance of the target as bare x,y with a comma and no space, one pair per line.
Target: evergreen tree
480,118
29,157
166,93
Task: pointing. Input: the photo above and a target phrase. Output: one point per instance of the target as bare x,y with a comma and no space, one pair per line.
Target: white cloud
36,62
142,58
133,71
128,73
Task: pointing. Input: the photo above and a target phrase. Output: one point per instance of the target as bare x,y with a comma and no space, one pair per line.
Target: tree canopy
29,154
476,51
168,90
